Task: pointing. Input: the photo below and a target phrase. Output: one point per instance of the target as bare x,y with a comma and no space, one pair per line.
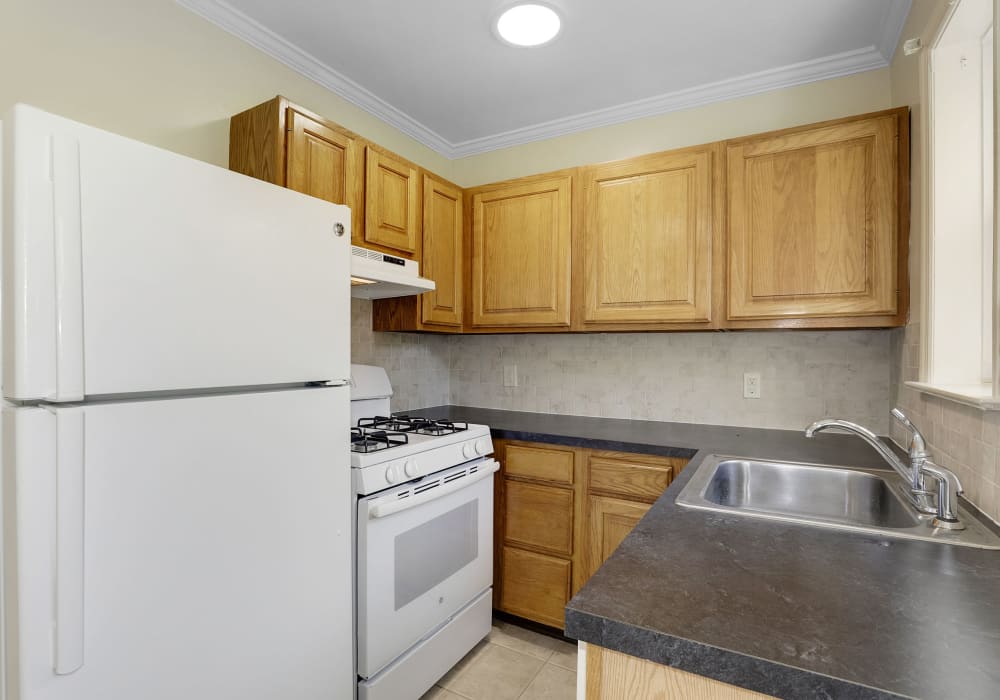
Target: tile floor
512,663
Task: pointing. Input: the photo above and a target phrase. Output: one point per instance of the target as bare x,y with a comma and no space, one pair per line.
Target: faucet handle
918,446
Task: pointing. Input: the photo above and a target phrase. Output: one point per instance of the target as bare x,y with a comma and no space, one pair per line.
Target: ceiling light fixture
528,25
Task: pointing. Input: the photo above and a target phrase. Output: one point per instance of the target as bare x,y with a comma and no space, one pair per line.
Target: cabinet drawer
535,586
538,516
540,463
636,477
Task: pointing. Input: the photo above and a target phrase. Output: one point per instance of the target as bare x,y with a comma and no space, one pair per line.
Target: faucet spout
866,435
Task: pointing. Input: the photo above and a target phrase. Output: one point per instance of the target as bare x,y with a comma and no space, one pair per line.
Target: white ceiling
434,69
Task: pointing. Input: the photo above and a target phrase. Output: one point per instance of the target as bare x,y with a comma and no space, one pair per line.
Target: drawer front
543,463
535,586
634,478
538,516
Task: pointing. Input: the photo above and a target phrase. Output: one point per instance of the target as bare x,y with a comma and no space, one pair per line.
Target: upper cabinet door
442,254
647,239
392,202
521,254
813,221
323,162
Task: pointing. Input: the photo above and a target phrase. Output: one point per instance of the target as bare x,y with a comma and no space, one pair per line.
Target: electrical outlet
510,375
751,385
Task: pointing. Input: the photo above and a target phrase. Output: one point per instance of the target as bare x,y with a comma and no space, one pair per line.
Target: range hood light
355,281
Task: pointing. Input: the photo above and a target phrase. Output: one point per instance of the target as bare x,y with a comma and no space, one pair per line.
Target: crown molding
892,27
231,20
824,68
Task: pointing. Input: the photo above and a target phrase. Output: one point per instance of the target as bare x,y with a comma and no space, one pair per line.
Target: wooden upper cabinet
648,232
442,253
392,202
521,254
323,162
814,220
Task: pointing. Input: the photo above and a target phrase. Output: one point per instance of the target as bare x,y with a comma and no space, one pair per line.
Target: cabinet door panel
648,231
391,202
634,478
813,222
535,586
442,253
521,255
322,162
549,464
611,520
539,516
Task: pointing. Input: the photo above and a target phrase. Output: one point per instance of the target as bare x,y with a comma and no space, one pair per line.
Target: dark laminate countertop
792,611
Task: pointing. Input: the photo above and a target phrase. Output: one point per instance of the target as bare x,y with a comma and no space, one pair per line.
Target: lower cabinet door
535,586
609,522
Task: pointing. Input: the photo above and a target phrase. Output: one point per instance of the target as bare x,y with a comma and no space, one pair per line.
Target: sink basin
847,498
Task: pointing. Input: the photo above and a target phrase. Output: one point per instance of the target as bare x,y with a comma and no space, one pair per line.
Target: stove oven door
425,550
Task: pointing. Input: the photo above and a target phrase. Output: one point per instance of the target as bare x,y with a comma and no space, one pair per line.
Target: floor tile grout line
521,694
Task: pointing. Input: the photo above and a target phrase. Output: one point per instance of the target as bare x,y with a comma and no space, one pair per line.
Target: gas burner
366,440
413,424
439,427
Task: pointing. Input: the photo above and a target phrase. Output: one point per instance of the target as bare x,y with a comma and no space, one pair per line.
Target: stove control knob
390,474
468,450
482,447
410,468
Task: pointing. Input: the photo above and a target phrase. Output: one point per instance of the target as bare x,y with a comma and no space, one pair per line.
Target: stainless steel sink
863,500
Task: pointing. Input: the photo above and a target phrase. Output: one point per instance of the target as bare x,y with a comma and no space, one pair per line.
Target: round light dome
528,25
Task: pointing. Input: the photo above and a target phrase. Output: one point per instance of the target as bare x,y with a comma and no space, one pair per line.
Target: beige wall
151,70
829,99
961,438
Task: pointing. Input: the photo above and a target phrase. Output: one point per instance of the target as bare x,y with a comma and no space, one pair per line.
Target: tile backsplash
685,377
417,364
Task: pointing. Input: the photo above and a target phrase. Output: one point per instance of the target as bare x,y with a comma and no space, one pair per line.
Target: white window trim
985,396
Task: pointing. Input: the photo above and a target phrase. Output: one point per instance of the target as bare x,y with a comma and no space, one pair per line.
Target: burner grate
367,440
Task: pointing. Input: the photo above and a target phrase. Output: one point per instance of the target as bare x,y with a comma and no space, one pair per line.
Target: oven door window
430,553
418,566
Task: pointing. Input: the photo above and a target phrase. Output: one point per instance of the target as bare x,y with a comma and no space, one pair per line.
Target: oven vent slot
427,487
452,477
405,494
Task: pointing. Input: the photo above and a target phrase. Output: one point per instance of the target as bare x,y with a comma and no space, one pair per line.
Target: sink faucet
946,509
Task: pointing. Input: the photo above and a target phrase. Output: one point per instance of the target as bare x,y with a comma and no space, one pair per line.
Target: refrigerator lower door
193,548
130,269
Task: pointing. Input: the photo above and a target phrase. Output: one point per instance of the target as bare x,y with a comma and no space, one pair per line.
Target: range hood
376,275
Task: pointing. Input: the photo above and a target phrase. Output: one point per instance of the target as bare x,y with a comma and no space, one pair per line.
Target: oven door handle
388,507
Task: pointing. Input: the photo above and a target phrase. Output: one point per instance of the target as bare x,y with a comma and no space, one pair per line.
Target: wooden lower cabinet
609,520
560,513
612,675
535,586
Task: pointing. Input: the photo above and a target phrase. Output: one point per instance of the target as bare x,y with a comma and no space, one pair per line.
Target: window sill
976,395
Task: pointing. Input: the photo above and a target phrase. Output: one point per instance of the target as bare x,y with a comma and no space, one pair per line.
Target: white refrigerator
176,486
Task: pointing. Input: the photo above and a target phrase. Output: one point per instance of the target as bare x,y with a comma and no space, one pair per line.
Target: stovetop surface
397,436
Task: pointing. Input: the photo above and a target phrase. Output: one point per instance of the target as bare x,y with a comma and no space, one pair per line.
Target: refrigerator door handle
68,249
69,540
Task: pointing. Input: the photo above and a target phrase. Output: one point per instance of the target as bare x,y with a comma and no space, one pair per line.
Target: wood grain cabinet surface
562,511
442,250
392,201
649,237
289,146
612,675
815,222
521,255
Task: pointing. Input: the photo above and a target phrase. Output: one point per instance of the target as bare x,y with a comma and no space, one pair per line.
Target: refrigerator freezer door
130,269
187,548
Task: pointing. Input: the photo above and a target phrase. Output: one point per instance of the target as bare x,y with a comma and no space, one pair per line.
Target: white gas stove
424,554
390,450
